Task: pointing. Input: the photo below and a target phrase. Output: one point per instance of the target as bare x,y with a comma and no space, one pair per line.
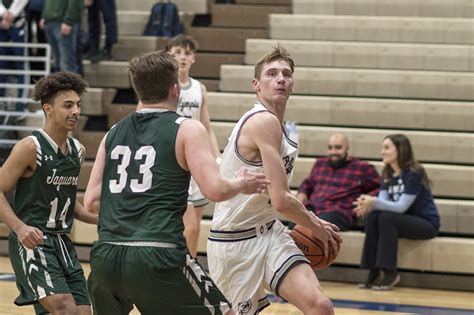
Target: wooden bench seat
441,254
129,46
372,28
256,16
449,181
370,55
457,216
352,111
192,6
96,100
437,85
429,255
266,2
440,147
222,39
421,8
107,74
114,73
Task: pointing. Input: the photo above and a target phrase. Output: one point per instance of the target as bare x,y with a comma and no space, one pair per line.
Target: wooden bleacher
419,8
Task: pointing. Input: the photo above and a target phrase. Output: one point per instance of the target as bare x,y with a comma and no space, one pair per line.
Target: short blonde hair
278,53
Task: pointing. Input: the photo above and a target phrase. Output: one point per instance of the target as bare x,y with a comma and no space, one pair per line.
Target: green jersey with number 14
47,199
144,190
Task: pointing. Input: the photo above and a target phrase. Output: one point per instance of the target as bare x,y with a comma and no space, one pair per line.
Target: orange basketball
312,248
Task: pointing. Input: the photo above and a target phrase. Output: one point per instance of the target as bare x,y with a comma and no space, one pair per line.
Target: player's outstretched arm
193,153
20,163
94,186
206,121
81,214
265,132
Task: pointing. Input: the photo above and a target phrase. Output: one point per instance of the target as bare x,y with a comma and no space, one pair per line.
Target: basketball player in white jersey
249,251
192,104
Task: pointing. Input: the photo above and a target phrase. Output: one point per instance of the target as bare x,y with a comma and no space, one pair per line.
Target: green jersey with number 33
144,190
46,200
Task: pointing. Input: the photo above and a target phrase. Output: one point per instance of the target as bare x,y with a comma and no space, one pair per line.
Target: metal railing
20,93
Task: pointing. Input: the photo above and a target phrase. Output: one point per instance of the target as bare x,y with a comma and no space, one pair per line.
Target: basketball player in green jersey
45,168
140,180
192,104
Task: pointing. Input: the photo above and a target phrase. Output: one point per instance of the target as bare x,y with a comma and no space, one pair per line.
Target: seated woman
404,208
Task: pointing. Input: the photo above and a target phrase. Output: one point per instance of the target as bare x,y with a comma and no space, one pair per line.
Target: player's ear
46,108
256,85
175,90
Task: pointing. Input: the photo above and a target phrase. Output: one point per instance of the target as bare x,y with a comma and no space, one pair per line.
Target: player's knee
321,305
386,219
324,306
64,306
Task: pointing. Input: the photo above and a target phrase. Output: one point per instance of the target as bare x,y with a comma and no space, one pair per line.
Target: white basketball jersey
190,100
247,211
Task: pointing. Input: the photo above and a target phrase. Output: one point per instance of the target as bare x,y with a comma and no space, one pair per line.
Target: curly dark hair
46,88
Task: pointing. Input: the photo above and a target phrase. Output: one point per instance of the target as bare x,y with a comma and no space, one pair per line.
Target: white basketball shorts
246,263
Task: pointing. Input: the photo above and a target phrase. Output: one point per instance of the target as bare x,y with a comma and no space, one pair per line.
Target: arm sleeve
371,181
413,185
18,6
307,186
73,12
399,206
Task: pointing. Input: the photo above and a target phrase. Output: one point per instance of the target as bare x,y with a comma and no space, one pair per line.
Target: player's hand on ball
254,182
327,234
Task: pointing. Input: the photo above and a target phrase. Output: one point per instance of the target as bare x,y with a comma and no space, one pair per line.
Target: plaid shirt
331,189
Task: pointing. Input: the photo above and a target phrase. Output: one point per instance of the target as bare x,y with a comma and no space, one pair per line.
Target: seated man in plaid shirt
335,183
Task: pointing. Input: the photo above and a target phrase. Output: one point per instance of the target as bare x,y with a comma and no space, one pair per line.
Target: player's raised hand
254,182
30,236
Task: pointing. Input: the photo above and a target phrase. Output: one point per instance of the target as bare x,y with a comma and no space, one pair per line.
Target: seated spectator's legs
393,226
336,218
382,231
371,241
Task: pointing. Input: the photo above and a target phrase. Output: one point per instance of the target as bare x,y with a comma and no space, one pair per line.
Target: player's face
183,56
389,152
275,83
337,149
64,109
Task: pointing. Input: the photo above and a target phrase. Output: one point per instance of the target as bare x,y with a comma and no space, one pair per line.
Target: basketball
312,248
